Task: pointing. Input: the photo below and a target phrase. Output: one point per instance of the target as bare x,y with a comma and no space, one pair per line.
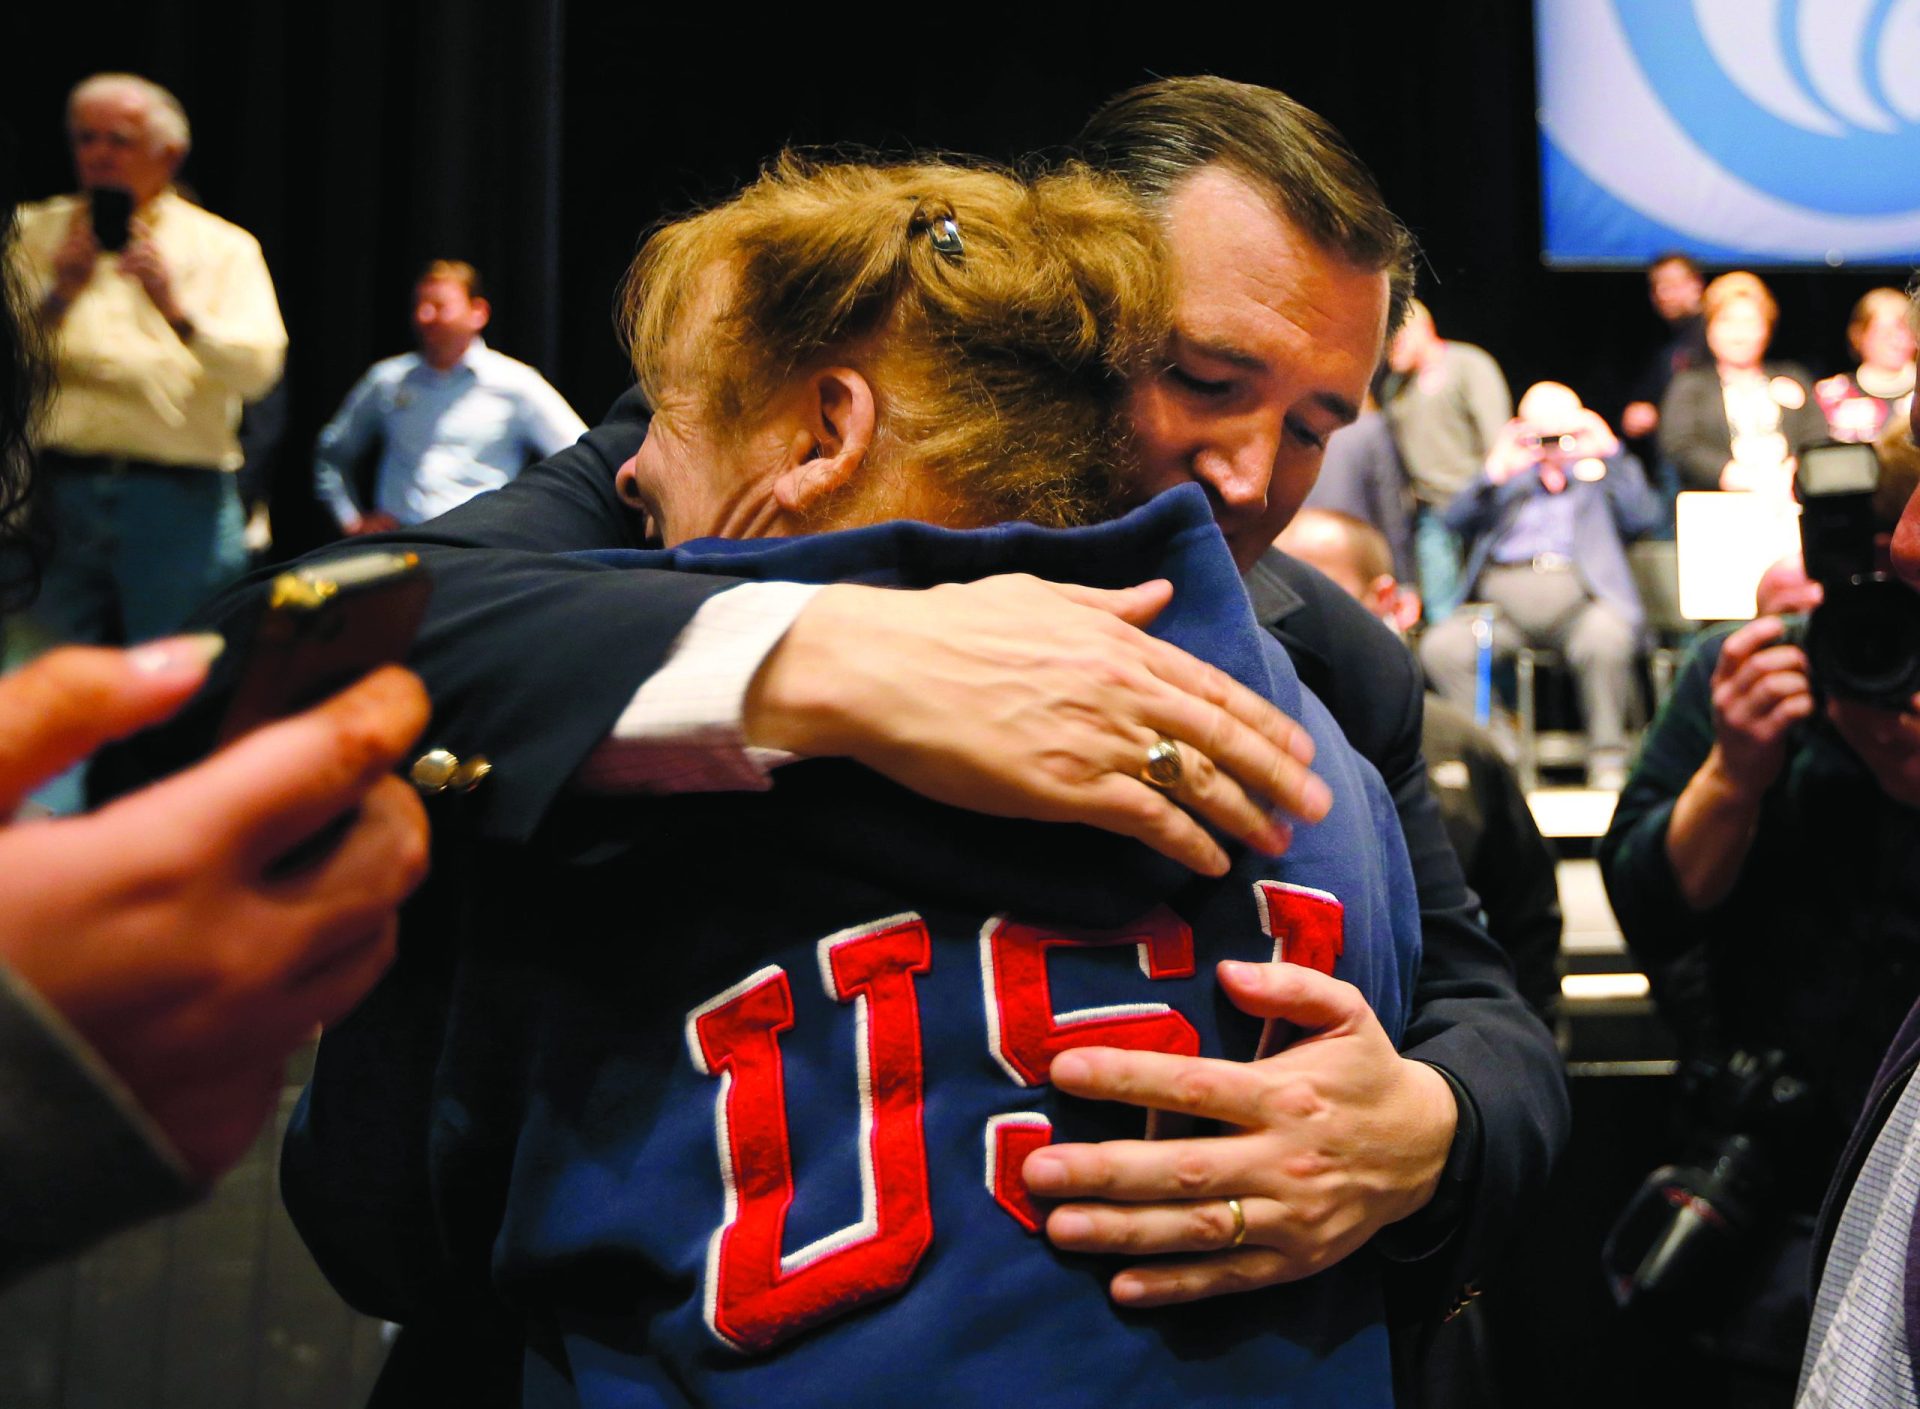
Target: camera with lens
1546,444
1863,640
1686,1233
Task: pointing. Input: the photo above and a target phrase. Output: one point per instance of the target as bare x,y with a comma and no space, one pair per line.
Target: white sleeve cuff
684,729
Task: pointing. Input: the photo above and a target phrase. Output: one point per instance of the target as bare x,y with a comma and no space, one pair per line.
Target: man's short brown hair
453,271
1679,257
1156,135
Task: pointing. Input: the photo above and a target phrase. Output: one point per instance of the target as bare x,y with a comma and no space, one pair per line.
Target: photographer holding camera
1546,522
1764,864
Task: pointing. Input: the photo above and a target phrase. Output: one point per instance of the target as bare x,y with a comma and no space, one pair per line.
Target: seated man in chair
1547,521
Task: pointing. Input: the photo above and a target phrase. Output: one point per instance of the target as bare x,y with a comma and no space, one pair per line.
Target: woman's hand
1334,1138
160,927
1023,698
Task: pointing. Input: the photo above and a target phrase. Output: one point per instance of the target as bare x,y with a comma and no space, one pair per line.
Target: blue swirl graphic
1861,172
1588,224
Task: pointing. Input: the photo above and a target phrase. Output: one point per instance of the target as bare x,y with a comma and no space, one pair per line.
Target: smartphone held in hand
111,210
324,626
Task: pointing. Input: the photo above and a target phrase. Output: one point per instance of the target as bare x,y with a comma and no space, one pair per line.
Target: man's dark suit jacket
1694,433
1468,1016
530,658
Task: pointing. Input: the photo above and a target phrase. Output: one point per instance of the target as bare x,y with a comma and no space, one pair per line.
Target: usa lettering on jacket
756,1293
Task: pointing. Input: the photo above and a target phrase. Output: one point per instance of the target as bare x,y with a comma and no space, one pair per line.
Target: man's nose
1237,473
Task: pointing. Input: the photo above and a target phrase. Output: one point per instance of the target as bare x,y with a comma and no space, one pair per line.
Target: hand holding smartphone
325,626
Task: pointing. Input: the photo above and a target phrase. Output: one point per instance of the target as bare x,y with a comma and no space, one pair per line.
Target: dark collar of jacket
1274,584
1348,657
1314,618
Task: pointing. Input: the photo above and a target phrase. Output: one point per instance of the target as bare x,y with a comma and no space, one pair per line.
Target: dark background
538,138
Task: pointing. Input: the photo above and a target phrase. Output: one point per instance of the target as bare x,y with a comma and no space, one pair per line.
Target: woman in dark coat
1741,422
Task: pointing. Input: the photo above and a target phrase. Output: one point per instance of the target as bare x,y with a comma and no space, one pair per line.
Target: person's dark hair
1680,257
1156,135
24,384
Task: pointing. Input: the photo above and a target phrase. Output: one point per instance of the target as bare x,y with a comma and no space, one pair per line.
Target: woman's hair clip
935,217
945,233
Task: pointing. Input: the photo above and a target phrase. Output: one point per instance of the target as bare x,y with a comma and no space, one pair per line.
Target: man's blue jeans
1436,555
135,550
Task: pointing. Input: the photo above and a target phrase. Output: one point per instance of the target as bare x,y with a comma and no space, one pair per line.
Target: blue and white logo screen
1744,131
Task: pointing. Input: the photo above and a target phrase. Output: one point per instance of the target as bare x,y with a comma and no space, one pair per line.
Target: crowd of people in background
1525,517
1467,494
163,329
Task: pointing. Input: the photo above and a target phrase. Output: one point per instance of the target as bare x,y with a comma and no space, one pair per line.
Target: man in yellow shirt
155,345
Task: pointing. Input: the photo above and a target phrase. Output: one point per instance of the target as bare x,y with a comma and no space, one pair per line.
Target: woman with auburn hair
1741,423
723,1098
1860,404
1000,353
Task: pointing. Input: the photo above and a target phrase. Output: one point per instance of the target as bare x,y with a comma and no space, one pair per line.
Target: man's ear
482,313
1407,609
836,414
1398,606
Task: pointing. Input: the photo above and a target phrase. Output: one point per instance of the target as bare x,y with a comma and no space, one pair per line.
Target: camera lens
1864,642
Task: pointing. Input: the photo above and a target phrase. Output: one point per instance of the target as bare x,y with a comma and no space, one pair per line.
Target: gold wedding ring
1163,768
1239,1223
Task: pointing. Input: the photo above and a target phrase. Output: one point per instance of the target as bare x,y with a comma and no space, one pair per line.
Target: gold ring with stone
1163,768
1239,1223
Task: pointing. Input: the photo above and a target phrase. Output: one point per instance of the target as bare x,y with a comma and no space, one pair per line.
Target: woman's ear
837,414
626,486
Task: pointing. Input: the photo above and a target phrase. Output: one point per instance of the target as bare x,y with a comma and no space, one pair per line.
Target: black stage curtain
539,138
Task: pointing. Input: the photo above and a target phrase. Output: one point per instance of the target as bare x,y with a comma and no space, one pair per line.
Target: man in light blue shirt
447,422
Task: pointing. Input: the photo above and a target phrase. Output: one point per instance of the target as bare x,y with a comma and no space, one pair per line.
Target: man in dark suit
1546,523
544,664
1506,860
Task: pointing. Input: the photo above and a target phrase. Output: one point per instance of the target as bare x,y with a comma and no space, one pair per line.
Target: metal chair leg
1528,708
